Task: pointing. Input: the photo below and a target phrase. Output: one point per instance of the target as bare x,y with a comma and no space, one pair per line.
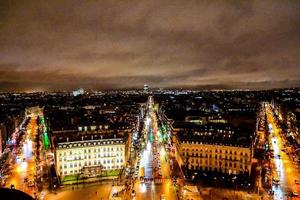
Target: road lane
282,165
153,167
24,166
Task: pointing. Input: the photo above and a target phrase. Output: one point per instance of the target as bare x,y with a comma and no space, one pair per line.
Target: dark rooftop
216,134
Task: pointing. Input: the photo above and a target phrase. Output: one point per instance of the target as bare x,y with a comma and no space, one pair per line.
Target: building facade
215,148
196,155
73,157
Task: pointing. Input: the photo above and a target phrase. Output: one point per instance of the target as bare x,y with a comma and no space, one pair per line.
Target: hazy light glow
142,187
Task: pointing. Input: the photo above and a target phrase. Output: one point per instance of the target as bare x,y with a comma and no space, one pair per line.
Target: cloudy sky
54,45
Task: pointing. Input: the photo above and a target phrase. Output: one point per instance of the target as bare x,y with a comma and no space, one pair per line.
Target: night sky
58,45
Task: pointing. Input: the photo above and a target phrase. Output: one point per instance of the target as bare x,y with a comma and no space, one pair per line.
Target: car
133,193
271,192
296,182
276,180
25,180
294,193
30,183
162,197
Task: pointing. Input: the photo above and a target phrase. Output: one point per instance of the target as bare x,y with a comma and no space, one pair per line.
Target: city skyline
64,45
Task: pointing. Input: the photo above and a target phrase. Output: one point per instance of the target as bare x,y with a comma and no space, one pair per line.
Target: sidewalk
219,194
91,180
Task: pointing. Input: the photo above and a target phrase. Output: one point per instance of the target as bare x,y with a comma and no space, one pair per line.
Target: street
154,175
82,192
23,170
283,167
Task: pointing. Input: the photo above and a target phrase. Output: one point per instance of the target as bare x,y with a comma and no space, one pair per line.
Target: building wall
71,159
226,159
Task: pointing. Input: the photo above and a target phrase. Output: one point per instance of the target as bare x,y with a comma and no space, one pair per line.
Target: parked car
294,193
133,193
30,183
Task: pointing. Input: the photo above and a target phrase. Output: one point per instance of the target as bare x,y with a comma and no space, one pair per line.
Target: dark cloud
118,44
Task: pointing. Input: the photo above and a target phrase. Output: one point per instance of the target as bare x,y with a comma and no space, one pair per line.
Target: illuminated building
78,92
90,152
216,148
146,88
